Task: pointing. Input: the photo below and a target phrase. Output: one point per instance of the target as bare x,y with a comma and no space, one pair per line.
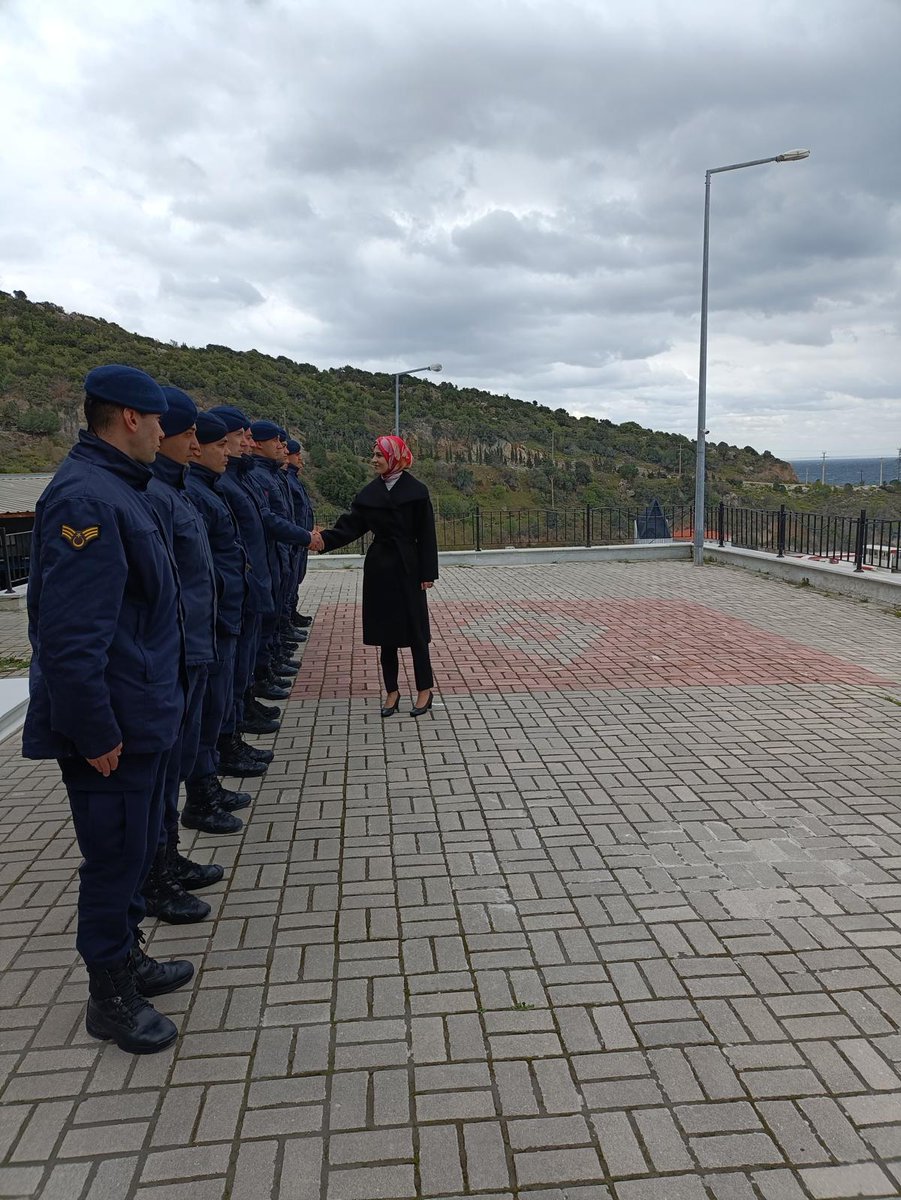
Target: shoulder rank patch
79,538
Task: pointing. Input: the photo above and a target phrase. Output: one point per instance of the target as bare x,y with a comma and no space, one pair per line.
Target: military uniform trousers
184,753
289,599
117,823
218,705
266,645
245,663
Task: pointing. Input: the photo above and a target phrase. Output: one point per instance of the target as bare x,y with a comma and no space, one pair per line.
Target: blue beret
263,431
293,446
282,434
210,428
233,417
126,386
181,413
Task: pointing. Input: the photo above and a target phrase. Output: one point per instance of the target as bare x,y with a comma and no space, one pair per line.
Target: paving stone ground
619,920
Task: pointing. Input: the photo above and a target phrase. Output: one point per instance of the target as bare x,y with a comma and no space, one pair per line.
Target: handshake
317,545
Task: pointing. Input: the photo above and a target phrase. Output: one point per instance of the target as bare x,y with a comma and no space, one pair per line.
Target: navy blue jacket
248,517
303,511
229,557
278,514
184,527
104,617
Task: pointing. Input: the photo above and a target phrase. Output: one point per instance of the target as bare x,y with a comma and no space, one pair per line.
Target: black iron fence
863,540
522,528
866,541
15,554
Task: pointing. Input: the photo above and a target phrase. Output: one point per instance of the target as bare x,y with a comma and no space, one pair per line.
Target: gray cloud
228,290
515,189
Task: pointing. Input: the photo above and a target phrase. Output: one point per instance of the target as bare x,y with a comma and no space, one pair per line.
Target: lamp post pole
397,377
701,447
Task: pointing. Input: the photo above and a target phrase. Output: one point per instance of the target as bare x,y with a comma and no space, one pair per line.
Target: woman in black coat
401,565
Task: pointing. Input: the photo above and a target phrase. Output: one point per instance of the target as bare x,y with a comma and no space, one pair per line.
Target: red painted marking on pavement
566,645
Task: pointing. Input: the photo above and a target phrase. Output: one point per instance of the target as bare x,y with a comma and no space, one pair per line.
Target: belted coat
403,555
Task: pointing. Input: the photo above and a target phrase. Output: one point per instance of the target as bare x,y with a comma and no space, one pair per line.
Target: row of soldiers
166,558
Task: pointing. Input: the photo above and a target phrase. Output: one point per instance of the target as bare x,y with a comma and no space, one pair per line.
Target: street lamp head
792,155
435,367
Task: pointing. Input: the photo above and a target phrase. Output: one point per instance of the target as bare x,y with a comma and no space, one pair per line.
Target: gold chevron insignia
79,538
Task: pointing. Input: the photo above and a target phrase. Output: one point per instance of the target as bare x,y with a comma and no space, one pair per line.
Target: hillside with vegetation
471,447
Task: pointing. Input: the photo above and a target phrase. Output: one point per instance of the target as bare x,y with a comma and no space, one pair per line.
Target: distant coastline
840,471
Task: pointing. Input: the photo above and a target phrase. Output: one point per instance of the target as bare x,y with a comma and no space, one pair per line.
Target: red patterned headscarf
397,455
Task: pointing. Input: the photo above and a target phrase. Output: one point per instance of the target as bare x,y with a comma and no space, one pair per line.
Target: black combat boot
289,665
203,811
167,899
257,752
118,1013
267,688
235,760
191,875
153,978
254,724
299,621
229,800
270,712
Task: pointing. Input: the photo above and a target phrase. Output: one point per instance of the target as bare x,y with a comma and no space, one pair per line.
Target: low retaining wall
877,586
15,600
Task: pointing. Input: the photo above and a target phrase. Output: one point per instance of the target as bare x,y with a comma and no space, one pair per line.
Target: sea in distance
840,471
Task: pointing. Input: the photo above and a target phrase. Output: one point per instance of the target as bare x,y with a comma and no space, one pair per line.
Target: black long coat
403,555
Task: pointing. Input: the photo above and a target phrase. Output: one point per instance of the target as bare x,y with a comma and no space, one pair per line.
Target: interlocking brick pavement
619,920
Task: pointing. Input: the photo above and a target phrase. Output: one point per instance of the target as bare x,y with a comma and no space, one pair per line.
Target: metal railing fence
15,556
863,540
866,541
523,528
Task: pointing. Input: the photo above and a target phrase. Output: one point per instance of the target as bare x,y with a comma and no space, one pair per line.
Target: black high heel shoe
389,711
424,708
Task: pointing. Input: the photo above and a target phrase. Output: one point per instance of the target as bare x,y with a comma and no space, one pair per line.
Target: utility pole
554,467
881,464
823,475
680,462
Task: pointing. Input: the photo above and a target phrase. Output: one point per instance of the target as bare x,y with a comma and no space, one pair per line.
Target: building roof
20,493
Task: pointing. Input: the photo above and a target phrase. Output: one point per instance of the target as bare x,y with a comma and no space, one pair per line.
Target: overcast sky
513,188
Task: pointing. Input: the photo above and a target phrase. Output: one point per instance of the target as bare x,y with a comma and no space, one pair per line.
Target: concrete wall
878,586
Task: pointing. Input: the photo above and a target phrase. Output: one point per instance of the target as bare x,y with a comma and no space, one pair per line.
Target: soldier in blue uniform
107,693
172,877
247,706
265,520
209,806
269,480
247,713
303,515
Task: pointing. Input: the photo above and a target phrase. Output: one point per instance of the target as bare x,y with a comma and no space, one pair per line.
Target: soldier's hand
426,584
108,762
317,545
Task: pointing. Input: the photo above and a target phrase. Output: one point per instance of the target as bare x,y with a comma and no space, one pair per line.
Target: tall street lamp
700,465
397,378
